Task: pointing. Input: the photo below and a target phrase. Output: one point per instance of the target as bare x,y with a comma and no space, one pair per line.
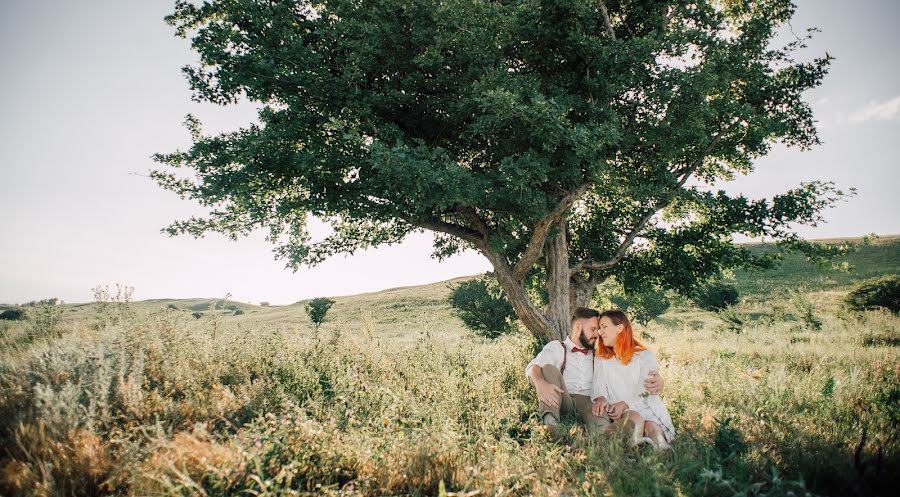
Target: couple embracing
603,374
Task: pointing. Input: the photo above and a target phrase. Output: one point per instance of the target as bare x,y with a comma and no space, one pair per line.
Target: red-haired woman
621,364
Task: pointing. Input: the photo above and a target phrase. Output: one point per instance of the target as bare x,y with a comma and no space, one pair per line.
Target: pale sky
89,90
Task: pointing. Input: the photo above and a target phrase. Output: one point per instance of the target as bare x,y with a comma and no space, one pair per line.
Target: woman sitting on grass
621,364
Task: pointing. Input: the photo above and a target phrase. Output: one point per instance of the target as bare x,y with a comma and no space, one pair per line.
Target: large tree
566,141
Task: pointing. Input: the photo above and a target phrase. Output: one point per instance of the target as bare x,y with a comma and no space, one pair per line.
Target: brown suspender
565,356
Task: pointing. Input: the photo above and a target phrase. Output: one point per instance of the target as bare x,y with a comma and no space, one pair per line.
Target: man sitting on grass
563,371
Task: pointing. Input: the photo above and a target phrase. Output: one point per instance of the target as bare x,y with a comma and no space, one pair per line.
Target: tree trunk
583,289
556,255
555,322
532,317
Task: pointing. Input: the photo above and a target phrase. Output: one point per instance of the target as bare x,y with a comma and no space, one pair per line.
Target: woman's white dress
618,382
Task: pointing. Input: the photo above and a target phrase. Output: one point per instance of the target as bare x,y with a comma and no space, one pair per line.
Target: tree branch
434,224
605,12
668,18
539,236
619,254
478,223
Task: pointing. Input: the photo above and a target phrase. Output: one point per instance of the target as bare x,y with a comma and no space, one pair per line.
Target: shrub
483,307
12,314
317,310
882,292
732,320
716,296
643,307
806,311
729,440
44,320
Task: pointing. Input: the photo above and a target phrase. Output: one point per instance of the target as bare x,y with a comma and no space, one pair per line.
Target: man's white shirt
579,366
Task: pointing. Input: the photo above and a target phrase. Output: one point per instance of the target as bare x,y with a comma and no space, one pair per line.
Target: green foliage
729,440
733,320
805,310
44,320
36,303
486,122
828,388
643,307
317,310
12,314
716,296
881,292
196,315
483,307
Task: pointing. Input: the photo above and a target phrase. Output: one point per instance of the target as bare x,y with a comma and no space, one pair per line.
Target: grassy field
788,394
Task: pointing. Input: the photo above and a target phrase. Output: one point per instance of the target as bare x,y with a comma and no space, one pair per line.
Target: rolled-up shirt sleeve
551,354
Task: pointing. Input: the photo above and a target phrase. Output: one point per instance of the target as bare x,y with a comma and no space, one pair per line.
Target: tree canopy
566,141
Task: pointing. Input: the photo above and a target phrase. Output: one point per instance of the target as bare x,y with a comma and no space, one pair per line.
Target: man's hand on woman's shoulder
654,383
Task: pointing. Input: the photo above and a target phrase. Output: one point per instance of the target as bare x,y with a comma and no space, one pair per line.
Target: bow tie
583,351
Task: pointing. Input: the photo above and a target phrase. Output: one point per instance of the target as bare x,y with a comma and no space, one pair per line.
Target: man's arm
547,393
654,383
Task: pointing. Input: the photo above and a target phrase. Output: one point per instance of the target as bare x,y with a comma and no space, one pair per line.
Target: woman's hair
626,344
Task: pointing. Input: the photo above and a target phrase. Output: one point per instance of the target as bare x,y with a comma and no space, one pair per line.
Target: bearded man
562,373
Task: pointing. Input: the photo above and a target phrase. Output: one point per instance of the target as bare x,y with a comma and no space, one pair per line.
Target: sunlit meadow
787,394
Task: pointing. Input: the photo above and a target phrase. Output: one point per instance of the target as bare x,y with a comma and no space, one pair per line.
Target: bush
483,307
12,314
317,310
643,307
716,296
732,320
44,320
806,311
882,292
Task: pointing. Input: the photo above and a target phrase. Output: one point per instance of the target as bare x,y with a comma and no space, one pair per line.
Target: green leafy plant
805,310
483,307
317,310
716,296
13,314
732,320
729,440
44,319
881,292
643,307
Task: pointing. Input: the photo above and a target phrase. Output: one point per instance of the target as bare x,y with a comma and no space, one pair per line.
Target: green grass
395,397
868,257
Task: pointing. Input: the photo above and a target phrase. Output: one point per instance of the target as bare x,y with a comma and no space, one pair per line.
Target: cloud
878,111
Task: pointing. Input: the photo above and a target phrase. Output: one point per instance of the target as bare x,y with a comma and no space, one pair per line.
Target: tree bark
583,289
532,317
556,255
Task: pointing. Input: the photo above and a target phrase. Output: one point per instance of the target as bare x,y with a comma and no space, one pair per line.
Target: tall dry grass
396,399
